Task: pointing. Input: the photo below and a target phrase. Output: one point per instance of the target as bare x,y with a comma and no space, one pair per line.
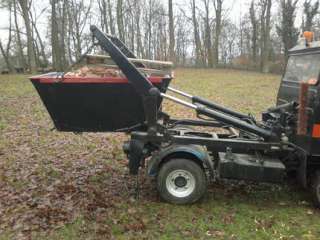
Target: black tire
177,172
315,189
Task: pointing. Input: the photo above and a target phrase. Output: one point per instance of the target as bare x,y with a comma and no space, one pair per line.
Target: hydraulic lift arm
150,94
142,85
221,114
212,105
225,118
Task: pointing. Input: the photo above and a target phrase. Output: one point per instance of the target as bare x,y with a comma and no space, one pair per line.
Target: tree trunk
171,33
24,4
218,11
254,37
56,51
62,33
208,35
112,29
266,38
140,50
149,30
120,20
103,15
6,58
19,42
196,34
310,11
286,29
42,49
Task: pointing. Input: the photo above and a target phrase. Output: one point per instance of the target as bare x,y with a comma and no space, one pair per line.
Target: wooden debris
104,66
95,59
94,71
151,64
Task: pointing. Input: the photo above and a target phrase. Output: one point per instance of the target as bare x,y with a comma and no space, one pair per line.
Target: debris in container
145,66
94,71
104,66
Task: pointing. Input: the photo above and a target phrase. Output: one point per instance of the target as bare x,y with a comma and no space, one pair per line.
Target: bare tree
228,44
182,40
58,15
151,12
137,12
286,30
160,36
120,20
5,51
265,21
44,61
207,34
111,18
254,24
171,32
103,8
153,29
310,11
21,57
196,34
218,26
78,14
25,6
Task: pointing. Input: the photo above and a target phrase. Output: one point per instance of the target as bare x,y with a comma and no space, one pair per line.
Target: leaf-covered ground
64,186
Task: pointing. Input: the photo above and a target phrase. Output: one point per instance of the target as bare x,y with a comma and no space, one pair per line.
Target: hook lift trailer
284,143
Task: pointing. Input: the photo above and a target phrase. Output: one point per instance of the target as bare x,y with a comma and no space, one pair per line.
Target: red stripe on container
54,79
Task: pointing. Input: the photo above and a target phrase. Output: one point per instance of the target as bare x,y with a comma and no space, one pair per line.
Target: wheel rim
180,183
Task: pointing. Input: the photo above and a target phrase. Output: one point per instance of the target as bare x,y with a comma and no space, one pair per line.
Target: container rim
57,77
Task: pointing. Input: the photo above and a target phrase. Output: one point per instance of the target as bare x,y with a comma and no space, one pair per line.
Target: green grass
64,186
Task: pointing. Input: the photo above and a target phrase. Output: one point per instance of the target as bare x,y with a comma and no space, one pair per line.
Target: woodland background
56,185
51,35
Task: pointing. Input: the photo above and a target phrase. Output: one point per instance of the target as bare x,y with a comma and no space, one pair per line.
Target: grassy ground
64,186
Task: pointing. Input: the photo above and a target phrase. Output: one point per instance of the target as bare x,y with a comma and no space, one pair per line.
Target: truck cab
304,67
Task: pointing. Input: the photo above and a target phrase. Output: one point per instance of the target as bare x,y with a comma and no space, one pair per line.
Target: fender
193,152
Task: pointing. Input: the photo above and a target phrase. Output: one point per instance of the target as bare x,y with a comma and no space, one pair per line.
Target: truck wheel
315,189
181,181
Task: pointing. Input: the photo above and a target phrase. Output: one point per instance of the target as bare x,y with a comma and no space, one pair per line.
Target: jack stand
137,188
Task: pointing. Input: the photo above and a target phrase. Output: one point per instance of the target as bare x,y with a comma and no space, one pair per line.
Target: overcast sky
236,8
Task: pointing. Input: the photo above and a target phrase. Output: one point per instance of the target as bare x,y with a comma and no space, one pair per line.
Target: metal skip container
93,104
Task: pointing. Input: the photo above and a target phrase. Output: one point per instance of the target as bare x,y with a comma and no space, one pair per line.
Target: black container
86,104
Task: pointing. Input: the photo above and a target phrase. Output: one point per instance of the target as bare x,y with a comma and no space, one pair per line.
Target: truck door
300,67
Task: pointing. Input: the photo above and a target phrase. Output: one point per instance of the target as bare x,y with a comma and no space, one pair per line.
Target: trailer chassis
226,154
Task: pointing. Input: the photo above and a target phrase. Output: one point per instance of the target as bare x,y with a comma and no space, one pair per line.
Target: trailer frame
258,140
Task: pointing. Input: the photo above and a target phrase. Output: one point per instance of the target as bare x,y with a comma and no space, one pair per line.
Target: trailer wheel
181,181
315,189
